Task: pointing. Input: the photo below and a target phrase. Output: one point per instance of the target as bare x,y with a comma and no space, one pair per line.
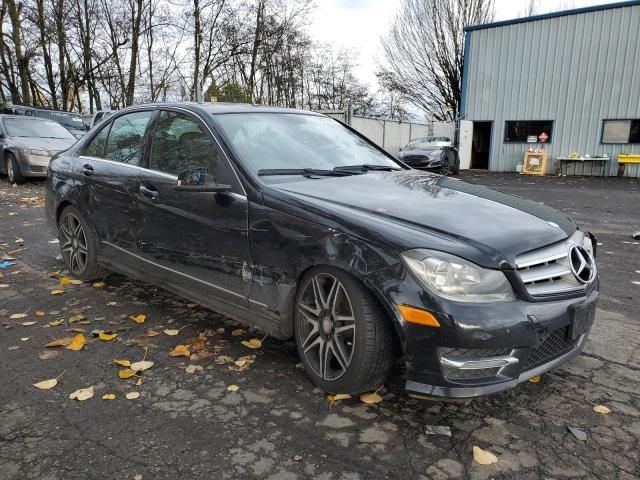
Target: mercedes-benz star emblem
582,264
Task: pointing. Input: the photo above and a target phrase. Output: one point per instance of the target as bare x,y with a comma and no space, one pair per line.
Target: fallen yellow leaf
240,362
193,368
82,394
192,305
57,292
338,396
126,373
28,324
132,395
46,384
535,379
54,274
151,333
4,285
252,344
77,342
64,281
139,381
40,313
138,318
171,332
601,409
98,284
61,342
107,336
55,323
76,281
76,318
220,330
16,316
141,366
233,388
237,332
122,363
483,457
370,398
180,351
109,396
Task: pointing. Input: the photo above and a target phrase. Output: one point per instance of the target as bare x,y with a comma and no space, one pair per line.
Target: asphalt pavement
189,421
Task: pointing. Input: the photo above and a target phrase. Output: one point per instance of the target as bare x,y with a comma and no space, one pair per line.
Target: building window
621,131
528,131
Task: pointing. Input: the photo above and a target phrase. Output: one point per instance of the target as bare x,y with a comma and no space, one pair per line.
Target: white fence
392,135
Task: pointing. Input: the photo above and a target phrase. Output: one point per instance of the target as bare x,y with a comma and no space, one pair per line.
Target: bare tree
424,52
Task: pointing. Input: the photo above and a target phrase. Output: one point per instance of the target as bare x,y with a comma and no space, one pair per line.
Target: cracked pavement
278,425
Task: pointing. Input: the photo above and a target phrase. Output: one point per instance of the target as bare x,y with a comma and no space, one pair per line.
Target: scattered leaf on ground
98,284
300,366
60,342
233,388
64,281
253,344
46,384
16,316
54,274
57,292
55,323
109,396
48,354
483,457
82,394
13,347
535,379
297,458
76,318
28,324
192,305
172,332
107,336
338,396
220,330
601,409
4,285
151,333
138,318
579,434
77,342
222,359
180,351
126,373
370,398
40,313
75,281
237,332
132,395
24,339
193,368
141,366
122,363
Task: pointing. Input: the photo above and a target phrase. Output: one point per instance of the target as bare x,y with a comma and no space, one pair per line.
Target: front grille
547,271
473,353
475,373
556,344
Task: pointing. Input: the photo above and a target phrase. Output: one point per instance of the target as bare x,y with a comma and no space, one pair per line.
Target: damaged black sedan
294,223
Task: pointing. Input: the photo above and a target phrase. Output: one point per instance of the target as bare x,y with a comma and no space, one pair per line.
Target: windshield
19,127
69,120
265,141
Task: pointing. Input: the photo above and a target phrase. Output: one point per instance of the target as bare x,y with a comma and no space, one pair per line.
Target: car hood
497,223
53,144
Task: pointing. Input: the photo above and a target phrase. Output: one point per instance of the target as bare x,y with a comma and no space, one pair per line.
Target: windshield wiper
307,172
365,168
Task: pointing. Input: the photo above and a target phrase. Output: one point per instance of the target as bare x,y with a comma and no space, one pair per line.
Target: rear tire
79,245
13,170
344,340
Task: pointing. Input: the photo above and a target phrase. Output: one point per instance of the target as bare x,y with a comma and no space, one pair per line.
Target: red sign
543,137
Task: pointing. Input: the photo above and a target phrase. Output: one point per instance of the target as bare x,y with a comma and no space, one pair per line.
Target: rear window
23,127
68,119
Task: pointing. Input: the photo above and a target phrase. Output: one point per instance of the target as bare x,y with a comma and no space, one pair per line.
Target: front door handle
87,169
147,192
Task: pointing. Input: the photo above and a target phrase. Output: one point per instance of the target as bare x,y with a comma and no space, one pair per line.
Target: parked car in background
70,120
291,222
436,154
100,116
27,145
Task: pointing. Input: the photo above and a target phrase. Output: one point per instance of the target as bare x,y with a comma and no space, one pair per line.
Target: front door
198,239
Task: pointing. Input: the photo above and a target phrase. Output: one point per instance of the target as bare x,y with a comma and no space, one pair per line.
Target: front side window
528,131
621,131
292,141
126,137
181,145
95,148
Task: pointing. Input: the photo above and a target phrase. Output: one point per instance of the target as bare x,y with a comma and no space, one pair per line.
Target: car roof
220,107
24,117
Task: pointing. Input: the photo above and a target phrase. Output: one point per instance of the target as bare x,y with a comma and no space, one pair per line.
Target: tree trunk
22,61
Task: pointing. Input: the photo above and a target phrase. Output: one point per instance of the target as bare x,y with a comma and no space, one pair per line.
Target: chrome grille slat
547,271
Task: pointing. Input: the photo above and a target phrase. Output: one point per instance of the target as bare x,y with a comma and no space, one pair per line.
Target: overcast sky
358,24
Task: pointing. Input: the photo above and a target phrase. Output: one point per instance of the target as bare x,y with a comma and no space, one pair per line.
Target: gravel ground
277,425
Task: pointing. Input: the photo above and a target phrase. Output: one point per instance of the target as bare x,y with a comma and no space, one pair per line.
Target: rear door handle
87,169
147,192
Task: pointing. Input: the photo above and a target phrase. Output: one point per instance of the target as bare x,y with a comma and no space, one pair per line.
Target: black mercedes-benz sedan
291,222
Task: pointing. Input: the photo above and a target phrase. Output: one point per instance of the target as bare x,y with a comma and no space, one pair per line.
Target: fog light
416,315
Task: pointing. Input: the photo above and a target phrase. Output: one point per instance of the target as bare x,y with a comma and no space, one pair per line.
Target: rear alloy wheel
78,245
343,339
445,168
13,170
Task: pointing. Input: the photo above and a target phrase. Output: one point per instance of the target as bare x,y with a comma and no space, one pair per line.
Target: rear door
199,241
110,167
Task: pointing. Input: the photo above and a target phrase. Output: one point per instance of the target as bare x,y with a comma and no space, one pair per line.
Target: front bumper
423,163
33,165
518,340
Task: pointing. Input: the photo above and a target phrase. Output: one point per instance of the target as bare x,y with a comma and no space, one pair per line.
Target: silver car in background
27,145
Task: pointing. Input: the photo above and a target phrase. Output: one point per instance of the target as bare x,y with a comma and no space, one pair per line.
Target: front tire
13,170
344,340
79,245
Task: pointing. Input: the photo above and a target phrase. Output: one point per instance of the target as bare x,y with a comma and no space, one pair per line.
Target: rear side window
95,148
126,138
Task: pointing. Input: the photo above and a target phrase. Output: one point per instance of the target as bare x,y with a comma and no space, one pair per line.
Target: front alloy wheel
445,168
73,243
344,340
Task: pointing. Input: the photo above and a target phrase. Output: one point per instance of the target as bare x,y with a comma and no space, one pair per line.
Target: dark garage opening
481,145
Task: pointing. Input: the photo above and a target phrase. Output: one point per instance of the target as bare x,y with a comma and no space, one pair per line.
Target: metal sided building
574,75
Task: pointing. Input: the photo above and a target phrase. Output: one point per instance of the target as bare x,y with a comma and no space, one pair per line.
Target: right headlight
457,279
